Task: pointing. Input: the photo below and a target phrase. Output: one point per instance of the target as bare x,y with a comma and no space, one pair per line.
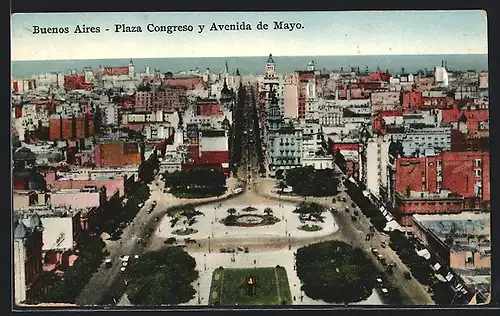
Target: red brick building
304,77
464,173
168,98
64,128
474,116
76,82
117,154
412,101
450,182
209,108
188,83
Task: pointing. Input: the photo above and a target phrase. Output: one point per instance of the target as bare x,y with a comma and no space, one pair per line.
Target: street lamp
286,227
199,300
289,242
212,229
209,245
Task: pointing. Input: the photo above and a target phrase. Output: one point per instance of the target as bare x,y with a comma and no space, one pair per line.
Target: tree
335,272
231,211
161,278
146,171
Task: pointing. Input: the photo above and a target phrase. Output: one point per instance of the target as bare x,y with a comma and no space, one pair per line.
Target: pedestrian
255,261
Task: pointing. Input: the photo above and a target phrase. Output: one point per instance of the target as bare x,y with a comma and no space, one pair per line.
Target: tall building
27,257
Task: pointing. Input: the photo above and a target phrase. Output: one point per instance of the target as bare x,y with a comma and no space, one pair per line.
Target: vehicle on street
353,204
383,244
382,260
153,204
368,237
379,281
157,219
347,209
372,229
354,218
124,263
108,263
384,291
136,257
355,213
333,200
122,269
125,258
407,275
141,205
240,249
374,251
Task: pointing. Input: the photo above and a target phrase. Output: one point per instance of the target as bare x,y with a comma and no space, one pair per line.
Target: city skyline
326,34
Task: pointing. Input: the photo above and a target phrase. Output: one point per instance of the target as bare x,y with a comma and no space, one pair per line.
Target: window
478,172
477,163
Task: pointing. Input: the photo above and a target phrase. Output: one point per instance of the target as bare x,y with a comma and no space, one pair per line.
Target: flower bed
242,220
310,228
185,231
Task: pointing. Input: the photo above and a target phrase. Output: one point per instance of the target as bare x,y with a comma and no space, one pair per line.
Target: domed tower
310,66
131,69
270,67
237,79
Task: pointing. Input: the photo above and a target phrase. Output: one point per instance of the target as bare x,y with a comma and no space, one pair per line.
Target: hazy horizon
249,56
256,65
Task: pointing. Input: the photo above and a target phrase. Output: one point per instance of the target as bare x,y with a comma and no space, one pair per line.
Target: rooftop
467,231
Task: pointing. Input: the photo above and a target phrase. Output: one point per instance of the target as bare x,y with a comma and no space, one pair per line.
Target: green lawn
272,287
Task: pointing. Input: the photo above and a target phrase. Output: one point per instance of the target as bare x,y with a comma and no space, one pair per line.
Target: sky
323,34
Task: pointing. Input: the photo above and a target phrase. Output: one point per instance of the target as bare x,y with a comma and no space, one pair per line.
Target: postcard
250,159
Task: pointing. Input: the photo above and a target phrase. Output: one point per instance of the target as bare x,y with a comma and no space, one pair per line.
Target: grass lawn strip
231,293
284,284
277,285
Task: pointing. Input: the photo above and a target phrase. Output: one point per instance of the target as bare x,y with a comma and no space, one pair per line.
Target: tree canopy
162,278
335,272
307,181
195,178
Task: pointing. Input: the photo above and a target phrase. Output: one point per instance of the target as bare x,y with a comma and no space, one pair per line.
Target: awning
449,276
392,225
440,278
424,253
436,266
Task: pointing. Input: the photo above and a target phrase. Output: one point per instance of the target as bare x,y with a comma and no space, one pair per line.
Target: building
461,242
27,258
377,153
76,82
168,98
285,149
483,80
88,201
91,197
450,182
210,150
116,154
291,96
383,101
426,141
114,184
73,127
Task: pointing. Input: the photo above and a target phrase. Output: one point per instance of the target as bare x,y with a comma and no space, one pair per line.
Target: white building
441,76
291,96
377,154
158,131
